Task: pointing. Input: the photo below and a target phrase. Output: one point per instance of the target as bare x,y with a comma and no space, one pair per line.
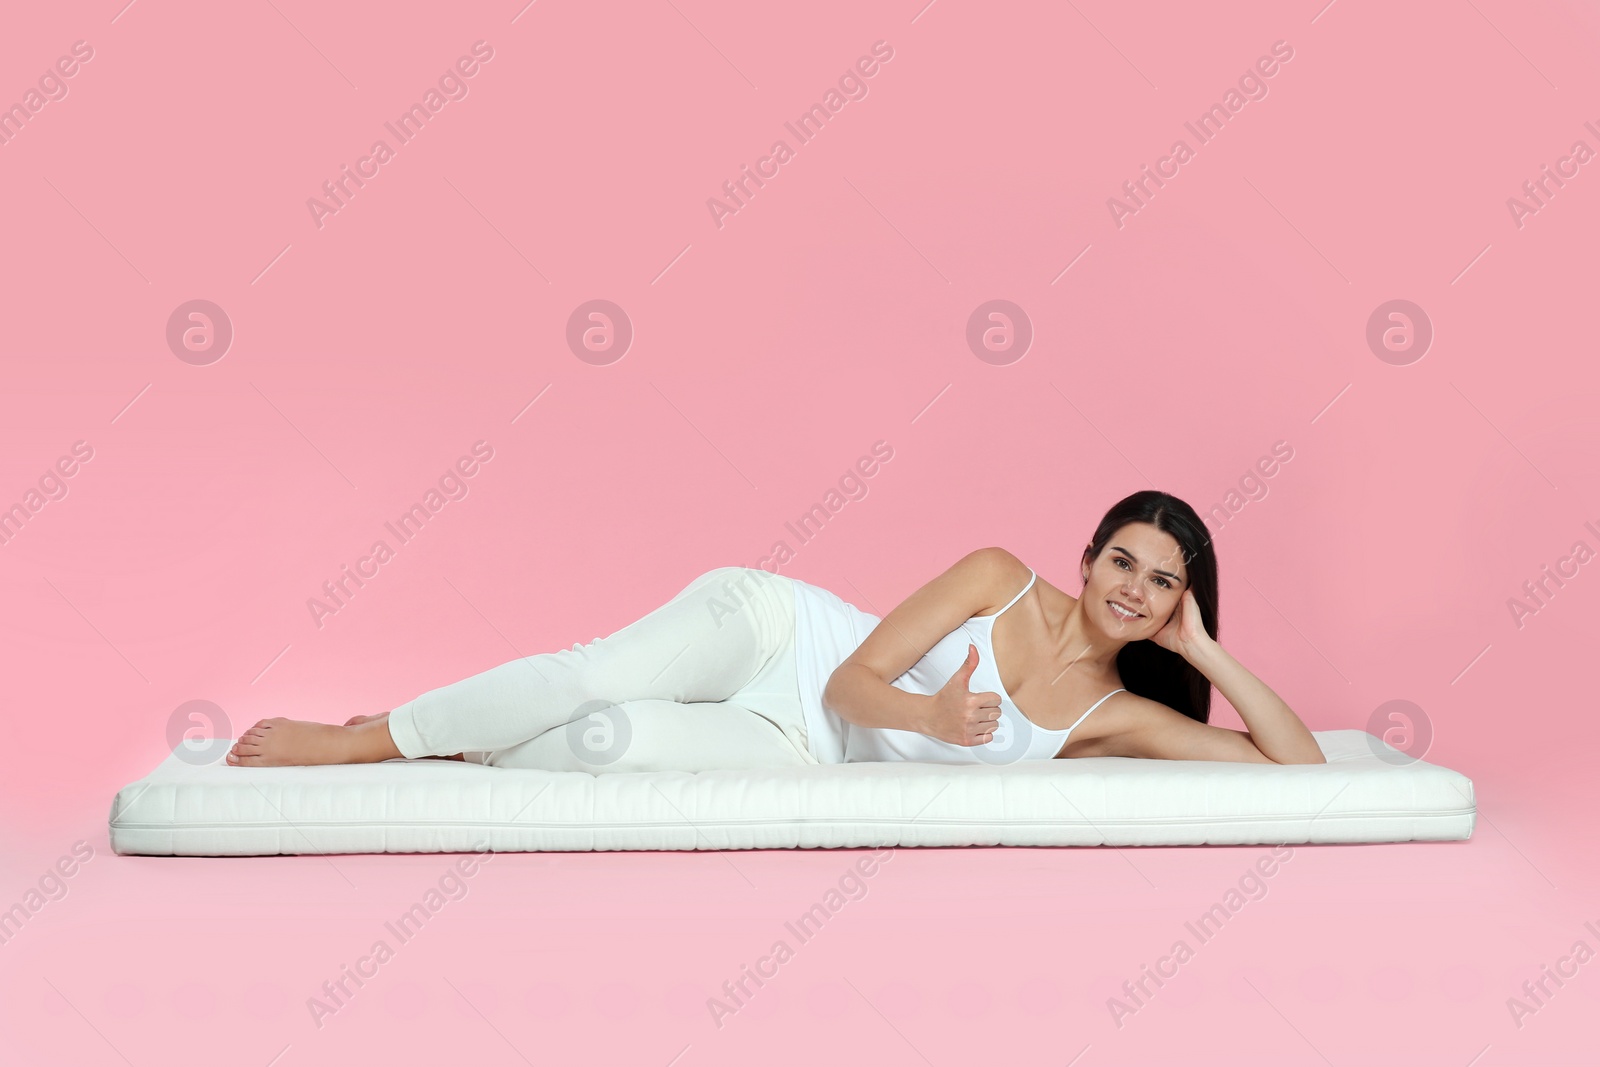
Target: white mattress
194,804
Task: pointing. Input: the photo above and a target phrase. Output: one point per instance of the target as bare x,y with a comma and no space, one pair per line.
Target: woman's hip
762,599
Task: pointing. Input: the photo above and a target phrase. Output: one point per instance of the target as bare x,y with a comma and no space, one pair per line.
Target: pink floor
1377,954
229,368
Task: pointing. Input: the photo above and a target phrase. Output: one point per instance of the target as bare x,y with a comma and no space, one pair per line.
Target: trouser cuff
403,732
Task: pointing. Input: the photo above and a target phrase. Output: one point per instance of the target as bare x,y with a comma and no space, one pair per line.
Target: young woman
748,669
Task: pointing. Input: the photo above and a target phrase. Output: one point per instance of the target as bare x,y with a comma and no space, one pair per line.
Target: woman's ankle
371,743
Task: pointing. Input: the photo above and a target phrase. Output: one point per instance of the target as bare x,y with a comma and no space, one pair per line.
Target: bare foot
291,743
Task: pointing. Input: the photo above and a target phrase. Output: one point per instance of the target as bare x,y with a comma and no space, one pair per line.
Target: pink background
769,354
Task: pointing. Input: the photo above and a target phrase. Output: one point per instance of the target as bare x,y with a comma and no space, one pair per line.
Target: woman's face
1141,568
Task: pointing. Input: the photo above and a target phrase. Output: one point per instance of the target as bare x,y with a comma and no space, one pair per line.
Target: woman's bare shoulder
1102,732
1005,574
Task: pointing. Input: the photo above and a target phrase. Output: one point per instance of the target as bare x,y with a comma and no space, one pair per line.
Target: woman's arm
859,696
1153,730
859,692
1274,728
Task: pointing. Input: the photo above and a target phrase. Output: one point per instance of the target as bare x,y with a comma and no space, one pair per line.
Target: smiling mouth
1122,613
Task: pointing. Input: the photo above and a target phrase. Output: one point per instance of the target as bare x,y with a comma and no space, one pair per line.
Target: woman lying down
746,669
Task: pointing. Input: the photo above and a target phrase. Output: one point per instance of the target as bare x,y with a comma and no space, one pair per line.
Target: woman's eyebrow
1135,559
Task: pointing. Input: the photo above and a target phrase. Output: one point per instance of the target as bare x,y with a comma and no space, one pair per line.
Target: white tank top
828,630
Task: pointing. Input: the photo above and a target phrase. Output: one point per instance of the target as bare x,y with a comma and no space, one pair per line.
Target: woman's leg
656,735
703,645
760,727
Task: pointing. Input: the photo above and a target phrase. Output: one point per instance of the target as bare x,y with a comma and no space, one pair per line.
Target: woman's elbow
1315,756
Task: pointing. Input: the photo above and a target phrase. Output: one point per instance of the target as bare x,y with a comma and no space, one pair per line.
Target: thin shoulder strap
1031,577
1096,704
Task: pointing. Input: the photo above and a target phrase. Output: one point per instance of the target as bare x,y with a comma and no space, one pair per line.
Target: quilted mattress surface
194,804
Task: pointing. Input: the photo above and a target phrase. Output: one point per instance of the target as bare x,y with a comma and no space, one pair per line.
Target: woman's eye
1119,561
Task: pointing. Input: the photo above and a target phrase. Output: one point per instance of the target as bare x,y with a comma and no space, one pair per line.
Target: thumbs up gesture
958,716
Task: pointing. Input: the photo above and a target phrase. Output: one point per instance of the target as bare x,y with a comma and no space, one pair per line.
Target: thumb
970,664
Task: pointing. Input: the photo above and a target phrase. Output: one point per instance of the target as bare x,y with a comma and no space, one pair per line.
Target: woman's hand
957,716
1185,632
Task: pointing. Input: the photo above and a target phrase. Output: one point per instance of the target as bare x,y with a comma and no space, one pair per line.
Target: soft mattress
194,804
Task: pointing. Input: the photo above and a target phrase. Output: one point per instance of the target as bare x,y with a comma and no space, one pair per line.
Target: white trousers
706,681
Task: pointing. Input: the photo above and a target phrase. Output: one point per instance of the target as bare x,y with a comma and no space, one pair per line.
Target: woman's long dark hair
1146,668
